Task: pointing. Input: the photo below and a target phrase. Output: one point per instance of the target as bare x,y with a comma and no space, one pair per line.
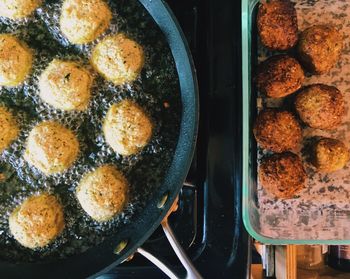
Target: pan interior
157,91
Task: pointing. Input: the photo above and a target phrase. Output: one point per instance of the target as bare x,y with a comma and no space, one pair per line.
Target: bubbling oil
145,171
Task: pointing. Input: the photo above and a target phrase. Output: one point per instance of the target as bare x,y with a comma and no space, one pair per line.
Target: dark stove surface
208,222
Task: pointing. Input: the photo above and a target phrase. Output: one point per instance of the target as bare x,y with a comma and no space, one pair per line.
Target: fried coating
83,21
319,48
127,128
66,85
16,61
320,106
9,128
51,147
118,59
18,9
279,76
282,175
103,193
330,155
37,221
277,24
277,131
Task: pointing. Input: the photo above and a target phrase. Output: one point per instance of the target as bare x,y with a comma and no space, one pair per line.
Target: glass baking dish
324,220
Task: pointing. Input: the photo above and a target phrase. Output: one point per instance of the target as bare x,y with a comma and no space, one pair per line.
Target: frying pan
119,247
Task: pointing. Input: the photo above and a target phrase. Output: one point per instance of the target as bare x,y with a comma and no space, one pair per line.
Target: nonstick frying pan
119,247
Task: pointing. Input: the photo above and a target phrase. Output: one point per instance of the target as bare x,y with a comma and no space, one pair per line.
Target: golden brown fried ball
103,193
65,85
83,21
37,221
319,48
279,76
330,155
277,24
9,128
51,147
118,59
15,60
127,128
277,131
17,9
282,175
320,106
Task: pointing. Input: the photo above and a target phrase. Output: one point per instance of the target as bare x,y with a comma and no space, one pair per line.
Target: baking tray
321,213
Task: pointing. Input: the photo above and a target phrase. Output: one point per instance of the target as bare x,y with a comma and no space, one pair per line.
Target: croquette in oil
66,85
18,9
37,221
83,21
9,128
51,147
127,128
118,59
15,61
103,193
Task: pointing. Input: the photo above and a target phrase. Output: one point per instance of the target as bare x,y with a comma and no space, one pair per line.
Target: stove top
208,221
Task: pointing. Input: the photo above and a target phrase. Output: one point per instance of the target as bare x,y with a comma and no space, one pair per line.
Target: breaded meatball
83,21
330,155
51,148
319,48
127,128
282,175
320,106
277,24
17,9
279,76
103,193
15,60
9,128
277,131
37,221
118,59
65,85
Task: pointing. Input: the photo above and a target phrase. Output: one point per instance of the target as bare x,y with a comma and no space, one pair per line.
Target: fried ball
279,76
320,106
9,128
66,86
83,21
277,24
51,148
282,175
15,60
277,131
319,48
127,128
103,193
330,155
17,9
37,221
118,59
